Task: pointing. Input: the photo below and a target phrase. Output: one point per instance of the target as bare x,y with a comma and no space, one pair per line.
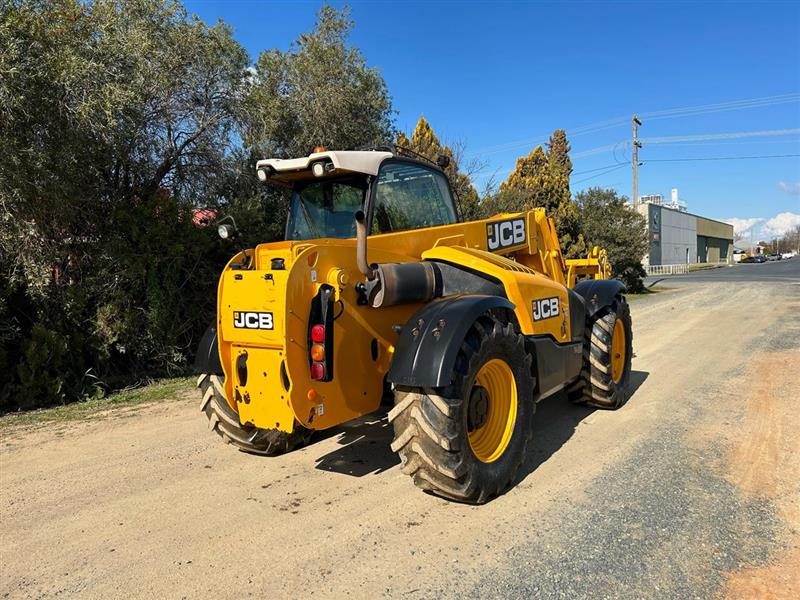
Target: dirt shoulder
116,404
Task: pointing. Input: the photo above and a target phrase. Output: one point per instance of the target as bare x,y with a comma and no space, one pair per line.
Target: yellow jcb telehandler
379,286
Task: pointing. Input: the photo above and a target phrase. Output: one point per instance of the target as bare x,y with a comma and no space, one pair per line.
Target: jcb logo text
503,234
545,309
252,320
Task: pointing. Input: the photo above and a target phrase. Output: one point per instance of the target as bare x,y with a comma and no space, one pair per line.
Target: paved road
781,270
688,491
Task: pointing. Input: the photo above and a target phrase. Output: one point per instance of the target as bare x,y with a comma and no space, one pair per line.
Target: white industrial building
680,237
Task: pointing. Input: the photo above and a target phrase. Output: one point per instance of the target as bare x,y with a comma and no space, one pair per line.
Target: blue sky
501,76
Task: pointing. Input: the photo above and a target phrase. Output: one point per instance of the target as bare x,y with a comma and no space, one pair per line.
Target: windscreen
325,209
411,196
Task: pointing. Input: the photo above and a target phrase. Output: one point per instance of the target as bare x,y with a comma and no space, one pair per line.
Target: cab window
325,209
410,196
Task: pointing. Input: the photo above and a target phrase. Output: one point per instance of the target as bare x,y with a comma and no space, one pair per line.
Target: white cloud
780,224
743,226
789,188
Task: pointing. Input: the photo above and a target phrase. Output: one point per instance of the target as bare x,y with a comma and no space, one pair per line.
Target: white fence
667,269
681,269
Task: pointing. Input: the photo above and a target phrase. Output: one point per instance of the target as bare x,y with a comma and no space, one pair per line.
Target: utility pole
635,160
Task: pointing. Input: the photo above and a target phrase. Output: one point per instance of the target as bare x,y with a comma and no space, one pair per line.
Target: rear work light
320,335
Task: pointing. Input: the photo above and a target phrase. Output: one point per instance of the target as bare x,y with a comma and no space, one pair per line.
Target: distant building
658,200
680,237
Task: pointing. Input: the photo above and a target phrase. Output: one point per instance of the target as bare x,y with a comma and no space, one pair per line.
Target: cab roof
287,170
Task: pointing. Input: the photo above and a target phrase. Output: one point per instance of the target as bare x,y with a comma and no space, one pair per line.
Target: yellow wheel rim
618,351
491,438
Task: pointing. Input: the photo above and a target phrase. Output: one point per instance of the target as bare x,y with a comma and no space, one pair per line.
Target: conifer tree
425,142
558,153
529,184
541,180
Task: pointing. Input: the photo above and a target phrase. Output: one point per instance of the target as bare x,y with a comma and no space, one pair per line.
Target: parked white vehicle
788,254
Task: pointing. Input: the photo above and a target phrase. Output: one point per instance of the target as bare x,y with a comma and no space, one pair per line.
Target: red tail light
320,335
317,371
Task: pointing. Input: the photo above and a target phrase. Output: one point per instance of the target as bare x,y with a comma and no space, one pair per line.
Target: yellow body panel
279,391
522,287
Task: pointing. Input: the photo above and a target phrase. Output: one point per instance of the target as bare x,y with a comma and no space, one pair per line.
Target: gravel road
690,490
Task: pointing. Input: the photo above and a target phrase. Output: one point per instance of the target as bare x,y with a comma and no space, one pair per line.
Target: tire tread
225,422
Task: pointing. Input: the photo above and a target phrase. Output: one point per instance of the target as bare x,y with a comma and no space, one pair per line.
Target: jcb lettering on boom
502,234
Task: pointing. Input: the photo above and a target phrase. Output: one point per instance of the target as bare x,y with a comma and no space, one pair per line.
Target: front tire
607,351
467,441
224,421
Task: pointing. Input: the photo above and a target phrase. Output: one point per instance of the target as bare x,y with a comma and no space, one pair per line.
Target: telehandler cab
379,286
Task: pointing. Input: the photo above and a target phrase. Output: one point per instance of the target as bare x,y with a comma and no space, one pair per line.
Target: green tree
608,220
425,142
116,118
541,180
558,155
318,93
529,185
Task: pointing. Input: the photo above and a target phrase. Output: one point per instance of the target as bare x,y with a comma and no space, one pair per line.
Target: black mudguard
427,359
599,293
207,358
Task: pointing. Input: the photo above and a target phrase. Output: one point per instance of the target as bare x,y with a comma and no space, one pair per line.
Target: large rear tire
225,422
607,351
466,442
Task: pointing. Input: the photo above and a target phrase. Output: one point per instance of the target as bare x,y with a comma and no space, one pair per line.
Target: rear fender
427,359
207,358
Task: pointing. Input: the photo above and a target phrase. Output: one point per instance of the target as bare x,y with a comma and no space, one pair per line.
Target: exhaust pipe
390,284
401,283
361,246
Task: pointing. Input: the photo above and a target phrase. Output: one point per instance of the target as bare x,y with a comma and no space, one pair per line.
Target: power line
616,164
723,158
728,135
601,149
724,106
675,139
599,174
793,141
690,138
542,138
662,114
611,168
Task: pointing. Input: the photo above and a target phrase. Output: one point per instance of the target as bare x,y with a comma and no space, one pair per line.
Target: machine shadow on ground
364,443
364,446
